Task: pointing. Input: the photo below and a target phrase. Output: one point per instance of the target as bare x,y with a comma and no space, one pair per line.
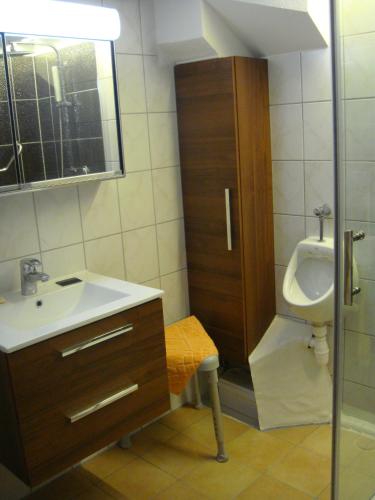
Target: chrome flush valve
322,212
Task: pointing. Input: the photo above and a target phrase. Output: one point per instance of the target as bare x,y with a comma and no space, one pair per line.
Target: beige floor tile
179,491
320,441
326,494
107,462
221,481
139,480
294,435
94,493
178,456
269,488
182,418
203,431
258,449
67,486
150,436
304,470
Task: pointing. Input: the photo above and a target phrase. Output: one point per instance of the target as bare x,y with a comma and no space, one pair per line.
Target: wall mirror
59,113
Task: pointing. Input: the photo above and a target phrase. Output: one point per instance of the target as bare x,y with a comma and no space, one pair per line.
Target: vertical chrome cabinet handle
228,218
349,290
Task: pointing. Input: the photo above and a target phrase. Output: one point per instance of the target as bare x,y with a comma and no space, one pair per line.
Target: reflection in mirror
64,107
8,169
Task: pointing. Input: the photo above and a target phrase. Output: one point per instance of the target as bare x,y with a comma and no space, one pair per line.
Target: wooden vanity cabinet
224,136
51,393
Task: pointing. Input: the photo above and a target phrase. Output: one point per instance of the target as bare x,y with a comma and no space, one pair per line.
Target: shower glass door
354,447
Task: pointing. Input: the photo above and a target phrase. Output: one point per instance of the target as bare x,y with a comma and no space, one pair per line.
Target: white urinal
309,289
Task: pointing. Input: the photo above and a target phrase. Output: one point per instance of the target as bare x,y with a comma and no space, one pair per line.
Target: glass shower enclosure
353,24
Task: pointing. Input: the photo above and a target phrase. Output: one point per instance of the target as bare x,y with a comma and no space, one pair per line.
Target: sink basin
55,309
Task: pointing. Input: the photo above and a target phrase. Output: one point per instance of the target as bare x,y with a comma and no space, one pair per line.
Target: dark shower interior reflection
60,129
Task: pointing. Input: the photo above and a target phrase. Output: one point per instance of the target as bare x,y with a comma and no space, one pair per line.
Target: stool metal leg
125,442
197,392
216,415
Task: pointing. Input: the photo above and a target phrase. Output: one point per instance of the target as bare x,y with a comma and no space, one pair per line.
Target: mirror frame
63,181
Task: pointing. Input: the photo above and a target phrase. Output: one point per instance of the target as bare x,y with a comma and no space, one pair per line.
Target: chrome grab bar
19,151
102,404
68,351
349,289
228,219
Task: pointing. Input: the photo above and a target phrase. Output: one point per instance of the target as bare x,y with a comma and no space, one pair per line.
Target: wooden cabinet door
208,149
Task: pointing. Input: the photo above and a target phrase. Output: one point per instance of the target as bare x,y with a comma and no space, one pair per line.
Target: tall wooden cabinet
224,134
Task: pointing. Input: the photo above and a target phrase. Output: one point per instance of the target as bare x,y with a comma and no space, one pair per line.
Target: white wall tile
136,200
10,276
318,185
318,131
362,317
175,298
163,140
364,251
167,194
360,124
130,38
148,27
313,227
287,132
288,187
141,254
359,363
131,83
358,17
136,143
59,218
284,72
62,261
317,75
360,186
99,209
171,244
105,256
160,89
18,230
289,230
359,66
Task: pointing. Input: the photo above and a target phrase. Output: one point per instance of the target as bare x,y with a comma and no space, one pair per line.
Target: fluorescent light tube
60,19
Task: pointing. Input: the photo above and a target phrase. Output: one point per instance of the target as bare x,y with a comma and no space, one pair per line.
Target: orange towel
188,344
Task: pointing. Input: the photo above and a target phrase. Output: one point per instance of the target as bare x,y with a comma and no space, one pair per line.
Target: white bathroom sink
55,309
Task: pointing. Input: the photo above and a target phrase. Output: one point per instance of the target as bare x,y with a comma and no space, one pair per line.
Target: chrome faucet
31,273
322,212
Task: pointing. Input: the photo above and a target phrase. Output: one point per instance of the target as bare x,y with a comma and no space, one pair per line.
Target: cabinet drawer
41,374
82,390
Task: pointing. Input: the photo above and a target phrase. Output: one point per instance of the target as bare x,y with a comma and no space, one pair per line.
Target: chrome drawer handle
96,340
102,404
228,219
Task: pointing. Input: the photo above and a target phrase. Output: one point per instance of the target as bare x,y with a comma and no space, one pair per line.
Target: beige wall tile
175,298
59,219
131,83
66,260
136,200
171,244
105,256
18,230
99,209
167,194
135,142
141,254
163,140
